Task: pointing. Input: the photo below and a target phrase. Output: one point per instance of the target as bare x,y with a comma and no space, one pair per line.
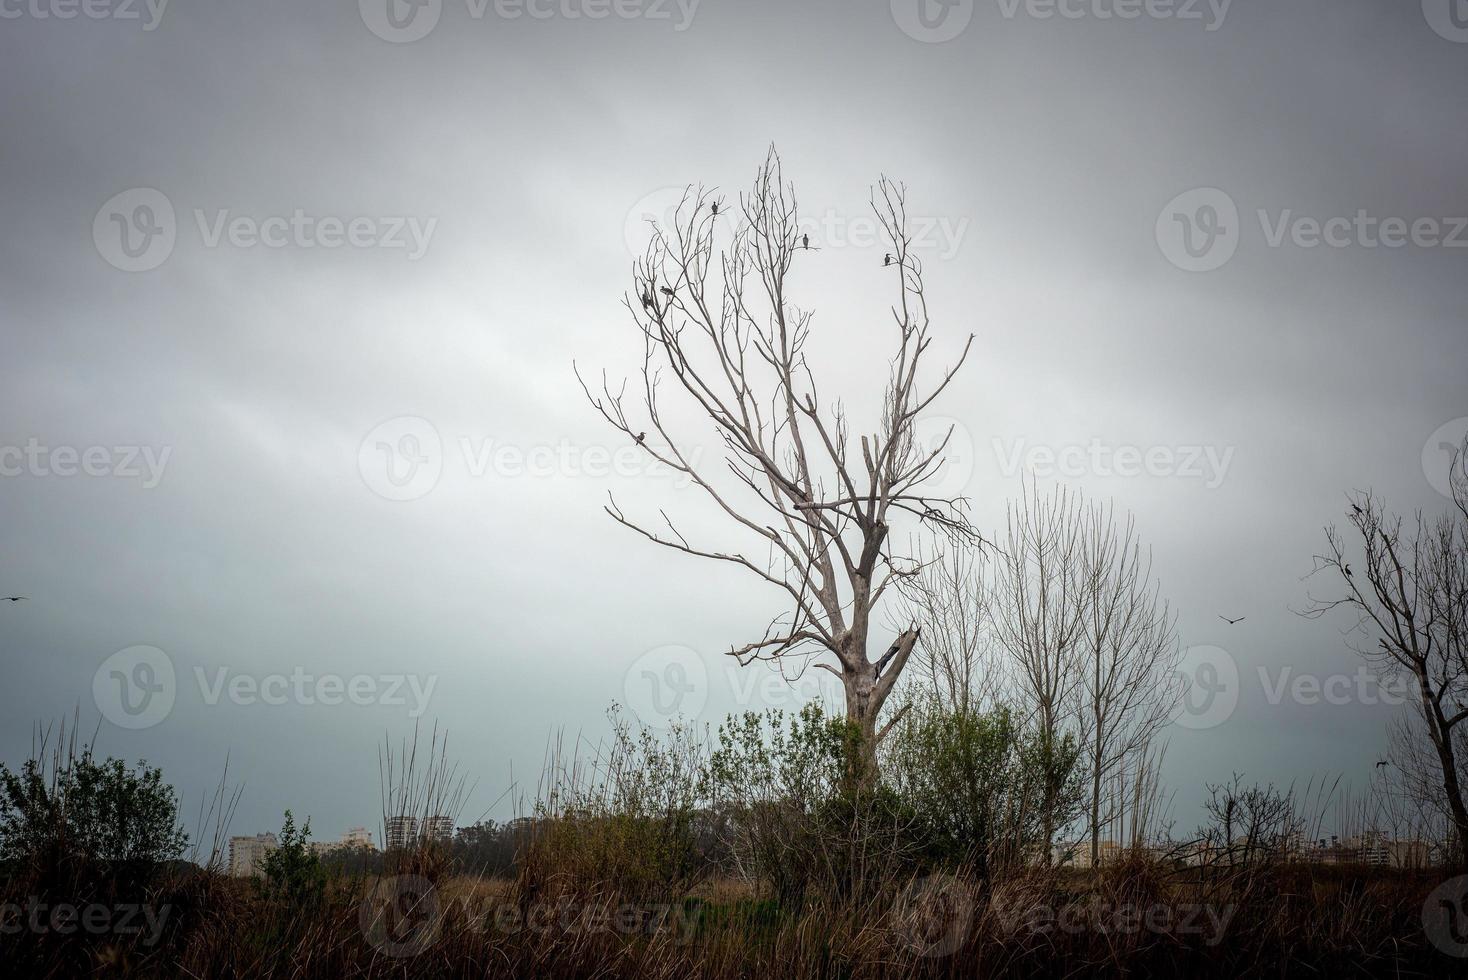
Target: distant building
400,832
1374,848
440,829
357,837
247,854
408,831
1410,854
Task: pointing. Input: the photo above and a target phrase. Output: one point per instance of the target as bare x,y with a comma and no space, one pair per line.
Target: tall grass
742,855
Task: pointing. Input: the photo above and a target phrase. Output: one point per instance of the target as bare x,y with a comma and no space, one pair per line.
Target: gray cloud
1055,143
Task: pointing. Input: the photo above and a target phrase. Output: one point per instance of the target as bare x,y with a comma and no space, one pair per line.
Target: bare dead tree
1130,651
731,340
1409,592
1038,615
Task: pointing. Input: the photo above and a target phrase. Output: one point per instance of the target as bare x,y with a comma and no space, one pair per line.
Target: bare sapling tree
956,657
1129,643
719,327
1038,615
1409,591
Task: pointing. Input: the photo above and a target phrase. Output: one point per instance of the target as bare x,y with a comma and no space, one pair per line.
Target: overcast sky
261,258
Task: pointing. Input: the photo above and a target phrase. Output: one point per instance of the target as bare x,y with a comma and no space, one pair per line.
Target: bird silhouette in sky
1383,762
715,208
805,242
11,598
1347,569
1356,508
1231,621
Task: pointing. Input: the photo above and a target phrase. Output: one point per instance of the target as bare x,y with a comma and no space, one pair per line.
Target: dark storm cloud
1205,248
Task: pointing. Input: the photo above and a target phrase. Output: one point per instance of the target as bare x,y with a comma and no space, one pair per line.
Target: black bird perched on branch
1231,621
805,242
641,436
666,290
715,208
887,259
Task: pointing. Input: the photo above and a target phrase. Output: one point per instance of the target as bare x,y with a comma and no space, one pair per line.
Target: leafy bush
292,870
74,813
797,821
979,783
628,819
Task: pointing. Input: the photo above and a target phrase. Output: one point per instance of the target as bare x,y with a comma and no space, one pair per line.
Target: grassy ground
1135,921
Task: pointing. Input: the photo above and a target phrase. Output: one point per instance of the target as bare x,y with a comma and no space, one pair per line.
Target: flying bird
1231,621
11,598
1383,762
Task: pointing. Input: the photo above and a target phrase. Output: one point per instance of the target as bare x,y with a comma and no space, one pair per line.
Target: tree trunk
867,686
